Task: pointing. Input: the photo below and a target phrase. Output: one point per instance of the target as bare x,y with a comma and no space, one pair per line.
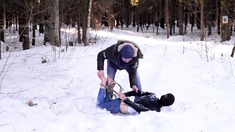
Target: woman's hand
121,96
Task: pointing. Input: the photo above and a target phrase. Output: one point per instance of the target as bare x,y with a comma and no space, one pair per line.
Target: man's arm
104,54
132,73
100,60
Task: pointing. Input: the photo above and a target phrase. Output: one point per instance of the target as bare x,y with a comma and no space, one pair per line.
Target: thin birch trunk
88,24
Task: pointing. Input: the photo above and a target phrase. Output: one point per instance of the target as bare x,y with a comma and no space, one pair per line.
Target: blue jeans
104,102
111,71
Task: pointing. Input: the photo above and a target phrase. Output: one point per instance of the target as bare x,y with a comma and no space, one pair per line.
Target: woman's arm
138,93
138,108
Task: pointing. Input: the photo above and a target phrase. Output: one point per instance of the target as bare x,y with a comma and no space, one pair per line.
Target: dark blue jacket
112,54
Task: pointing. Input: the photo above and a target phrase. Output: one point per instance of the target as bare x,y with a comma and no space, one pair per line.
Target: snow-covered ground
65,88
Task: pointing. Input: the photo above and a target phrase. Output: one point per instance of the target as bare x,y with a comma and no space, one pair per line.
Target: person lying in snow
146,101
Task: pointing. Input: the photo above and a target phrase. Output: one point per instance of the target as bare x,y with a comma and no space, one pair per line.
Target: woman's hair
167,99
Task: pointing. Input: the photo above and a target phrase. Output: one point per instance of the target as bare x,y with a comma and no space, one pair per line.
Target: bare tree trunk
193,14
225,33
1,34
84,28
134,17
202,26
167,17
1,27
233,50
1,22
46,31
161,16
218,11
41,29
110,14
78,27
21,28
25,24
34,18
198,13
26,44
34,32
54,23
157,17
0,48
210,14
181,28
7,20
141,24
171,16
86,43
127,14
185,15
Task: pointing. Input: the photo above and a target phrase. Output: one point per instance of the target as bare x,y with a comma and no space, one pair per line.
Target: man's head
167,99
127,52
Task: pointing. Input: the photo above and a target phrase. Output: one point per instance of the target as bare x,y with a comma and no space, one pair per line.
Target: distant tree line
174,16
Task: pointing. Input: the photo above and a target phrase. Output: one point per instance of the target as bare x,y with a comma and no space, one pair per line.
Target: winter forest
48,64
175,17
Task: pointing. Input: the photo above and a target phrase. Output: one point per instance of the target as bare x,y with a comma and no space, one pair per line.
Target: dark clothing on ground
146,101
